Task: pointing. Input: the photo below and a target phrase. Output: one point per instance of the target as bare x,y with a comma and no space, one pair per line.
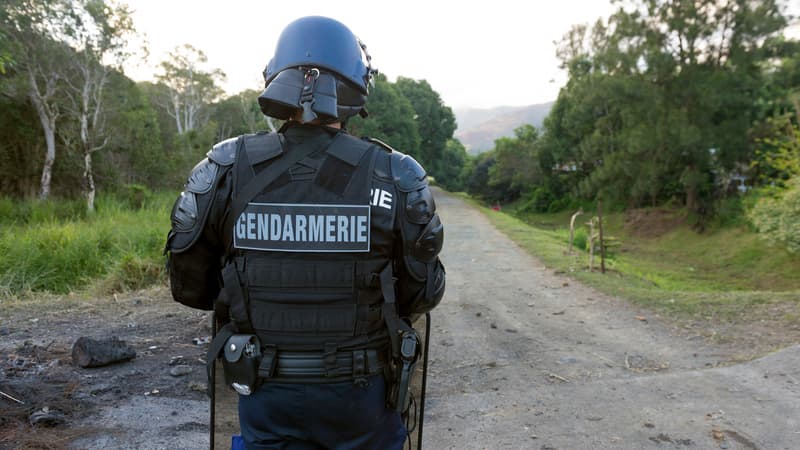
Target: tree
35,28
451,171
98,31
516,161
391,119
435,121
190,88
662,95
135,154
240,114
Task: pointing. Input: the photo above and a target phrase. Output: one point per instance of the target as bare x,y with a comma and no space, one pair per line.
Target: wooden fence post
602,244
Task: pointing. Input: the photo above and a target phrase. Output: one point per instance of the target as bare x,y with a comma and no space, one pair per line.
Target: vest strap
267,176
236,298
216,346
395,325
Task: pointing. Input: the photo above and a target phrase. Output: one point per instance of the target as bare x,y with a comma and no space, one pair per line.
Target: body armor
311,227
306,253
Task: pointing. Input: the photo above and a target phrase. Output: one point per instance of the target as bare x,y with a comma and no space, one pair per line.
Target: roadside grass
56,247
725,273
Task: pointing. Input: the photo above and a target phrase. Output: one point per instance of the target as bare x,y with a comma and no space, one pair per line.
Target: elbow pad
190,212
423,238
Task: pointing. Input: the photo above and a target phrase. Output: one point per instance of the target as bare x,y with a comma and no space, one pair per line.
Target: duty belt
287,366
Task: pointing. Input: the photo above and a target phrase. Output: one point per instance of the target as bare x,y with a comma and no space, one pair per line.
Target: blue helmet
319,67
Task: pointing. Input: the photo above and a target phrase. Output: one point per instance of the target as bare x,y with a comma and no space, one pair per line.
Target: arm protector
421,275
194,252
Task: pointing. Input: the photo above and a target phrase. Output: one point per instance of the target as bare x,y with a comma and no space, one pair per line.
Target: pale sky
474,54
491,53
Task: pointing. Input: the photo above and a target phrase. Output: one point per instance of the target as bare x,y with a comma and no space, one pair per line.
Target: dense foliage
684,102
124,135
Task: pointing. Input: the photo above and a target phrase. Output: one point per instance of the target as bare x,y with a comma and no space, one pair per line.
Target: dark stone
88,352
47,417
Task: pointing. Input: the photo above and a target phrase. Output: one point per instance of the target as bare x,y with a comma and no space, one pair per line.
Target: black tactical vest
306,250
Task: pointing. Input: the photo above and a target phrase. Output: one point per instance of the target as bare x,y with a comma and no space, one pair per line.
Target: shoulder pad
202,177
261,147
224,152
184,213
407,173
380,143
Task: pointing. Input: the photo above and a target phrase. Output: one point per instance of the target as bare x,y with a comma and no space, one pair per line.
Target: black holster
242,357
399,398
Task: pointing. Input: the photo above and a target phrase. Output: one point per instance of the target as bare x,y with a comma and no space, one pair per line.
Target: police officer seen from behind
319,249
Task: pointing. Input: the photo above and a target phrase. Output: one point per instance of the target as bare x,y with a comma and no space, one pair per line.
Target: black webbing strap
267,176
393,321
216,346
235,296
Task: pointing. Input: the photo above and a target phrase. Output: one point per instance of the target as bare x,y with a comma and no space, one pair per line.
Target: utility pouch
242,356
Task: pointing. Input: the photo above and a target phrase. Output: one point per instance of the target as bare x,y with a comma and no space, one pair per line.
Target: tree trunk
88,176
48,122
49,158
176,106
47,118
691,198
86,143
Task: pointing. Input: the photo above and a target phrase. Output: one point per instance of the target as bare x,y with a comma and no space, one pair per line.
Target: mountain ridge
479,127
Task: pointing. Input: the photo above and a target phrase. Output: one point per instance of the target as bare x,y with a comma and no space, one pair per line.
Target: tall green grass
724,271
57,246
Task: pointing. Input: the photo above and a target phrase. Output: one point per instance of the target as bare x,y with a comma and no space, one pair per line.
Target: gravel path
525,358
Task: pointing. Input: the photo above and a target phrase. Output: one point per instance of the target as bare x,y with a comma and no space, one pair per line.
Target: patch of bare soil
652,222
49,403
751,332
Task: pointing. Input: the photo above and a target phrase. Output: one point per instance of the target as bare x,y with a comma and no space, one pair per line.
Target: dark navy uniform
318,249
298,262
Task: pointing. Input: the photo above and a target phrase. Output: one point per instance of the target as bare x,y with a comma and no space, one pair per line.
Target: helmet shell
320,42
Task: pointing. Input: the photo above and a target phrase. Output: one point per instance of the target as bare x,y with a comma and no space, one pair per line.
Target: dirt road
525,358
521,358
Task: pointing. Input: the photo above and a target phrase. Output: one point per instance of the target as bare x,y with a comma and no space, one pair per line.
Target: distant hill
478,128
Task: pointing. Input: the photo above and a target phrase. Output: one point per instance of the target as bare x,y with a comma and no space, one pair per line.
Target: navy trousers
340,416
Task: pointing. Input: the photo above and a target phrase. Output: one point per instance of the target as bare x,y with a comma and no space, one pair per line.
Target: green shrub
135,196
777,219
134,272
581,239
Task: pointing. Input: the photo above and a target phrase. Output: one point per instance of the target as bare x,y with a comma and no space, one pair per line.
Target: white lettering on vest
304,228
288,231
275,227
315,228
330,229
300,228
263,226
380,198
241,227
251,226
362,229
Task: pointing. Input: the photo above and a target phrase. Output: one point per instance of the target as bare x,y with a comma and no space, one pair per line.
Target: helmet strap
307,95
